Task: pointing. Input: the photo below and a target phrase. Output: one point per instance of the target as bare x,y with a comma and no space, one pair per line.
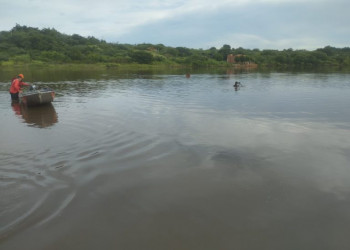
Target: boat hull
38,98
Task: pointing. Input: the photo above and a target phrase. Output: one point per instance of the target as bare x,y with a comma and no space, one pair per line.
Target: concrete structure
231,58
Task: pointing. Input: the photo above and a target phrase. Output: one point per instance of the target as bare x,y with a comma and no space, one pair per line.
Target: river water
161,161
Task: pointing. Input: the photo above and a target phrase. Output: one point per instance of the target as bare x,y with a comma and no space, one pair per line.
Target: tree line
24,44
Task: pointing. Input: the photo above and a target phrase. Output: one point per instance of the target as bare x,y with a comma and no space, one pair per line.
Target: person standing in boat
16,85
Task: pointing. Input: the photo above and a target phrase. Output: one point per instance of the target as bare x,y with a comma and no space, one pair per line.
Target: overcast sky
263,24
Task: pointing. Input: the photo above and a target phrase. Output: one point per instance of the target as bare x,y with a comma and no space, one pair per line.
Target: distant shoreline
24,45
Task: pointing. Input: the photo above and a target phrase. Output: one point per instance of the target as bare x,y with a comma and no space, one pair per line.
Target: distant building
231,58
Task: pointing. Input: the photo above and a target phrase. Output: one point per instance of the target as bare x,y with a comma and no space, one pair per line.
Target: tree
27,44
224,51
142,57
183,51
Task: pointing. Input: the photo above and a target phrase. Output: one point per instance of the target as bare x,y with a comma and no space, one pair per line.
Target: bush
142,57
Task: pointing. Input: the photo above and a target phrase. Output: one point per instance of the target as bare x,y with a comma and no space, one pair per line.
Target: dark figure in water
237,85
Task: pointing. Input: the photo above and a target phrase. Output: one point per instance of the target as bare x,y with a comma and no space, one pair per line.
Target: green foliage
183,52
141,56
21,58
24,44
53,56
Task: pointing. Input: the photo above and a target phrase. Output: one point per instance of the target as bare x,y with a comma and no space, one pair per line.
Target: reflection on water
37,116
165,161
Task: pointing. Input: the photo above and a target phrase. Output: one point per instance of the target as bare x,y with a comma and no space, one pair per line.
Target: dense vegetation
24,44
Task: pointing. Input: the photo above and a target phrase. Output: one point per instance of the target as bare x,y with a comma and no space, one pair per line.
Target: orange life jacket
16,85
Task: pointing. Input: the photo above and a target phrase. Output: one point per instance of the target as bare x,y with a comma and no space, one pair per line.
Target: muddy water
169,162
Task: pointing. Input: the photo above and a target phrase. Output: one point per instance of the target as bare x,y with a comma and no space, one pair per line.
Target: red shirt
16,85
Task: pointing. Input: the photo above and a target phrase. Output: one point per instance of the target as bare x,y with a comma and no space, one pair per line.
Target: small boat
37,97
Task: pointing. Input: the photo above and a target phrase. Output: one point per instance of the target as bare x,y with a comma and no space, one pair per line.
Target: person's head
21,76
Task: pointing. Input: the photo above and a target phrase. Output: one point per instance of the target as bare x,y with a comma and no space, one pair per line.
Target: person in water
237,84
16,87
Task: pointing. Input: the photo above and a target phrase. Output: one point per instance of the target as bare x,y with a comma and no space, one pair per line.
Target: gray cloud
261,24
264,25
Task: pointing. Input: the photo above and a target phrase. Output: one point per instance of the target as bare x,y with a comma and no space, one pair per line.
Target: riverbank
39,71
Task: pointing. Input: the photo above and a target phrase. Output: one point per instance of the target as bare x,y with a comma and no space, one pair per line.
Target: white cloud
194,23
252,41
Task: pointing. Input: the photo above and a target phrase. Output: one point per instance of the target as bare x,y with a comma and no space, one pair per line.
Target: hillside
24,44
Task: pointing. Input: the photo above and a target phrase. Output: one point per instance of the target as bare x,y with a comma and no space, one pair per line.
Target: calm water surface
165,162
